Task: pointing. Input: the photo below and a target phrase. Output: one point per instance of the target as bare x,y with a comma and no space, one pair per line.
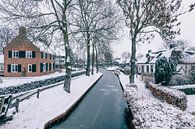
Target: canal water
103,107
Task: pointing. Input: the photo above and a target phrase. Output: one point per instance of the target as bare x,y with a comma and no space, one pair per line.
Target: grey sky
187,33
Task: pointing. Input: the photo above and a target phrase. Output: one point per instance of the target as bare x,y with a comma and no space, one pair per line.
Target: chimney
22,33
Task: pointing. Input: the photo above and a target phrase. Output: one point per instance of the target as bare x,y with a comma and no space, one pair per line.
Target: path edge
65,114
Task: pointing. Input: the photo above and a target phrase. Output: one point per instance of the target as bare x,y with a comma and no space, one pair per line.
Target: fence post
38,92
17,105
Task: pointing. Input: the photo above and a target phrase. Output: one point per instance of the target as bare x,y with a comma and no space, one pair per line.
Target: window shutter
41,67
10,54
41,54
8,68
19,67
53,66
33,67
33,54
49,66
22,54
46,66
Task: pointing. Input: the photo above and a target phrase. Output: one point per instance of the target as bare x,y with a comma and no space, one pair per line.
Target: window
43,55
142,68
152,68
28,54
29,67
14,68
15,54
44,67
147,68
1,67
51,66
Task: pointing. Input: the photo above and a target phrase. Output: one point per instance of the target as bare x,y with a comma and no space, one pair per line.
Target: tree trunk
96,59
133,49
88,55
67,77
93,60
67,81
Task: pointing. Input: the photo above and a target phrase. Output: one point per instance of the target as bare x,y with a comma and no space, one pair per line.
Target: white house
186,64
1,64
147,63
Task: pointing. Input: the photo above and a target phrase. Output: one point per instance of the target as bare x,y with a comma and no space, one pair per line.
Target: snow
183,86
11,81
188,59
34,113
151,113
1,59
140,84
191,103
112,68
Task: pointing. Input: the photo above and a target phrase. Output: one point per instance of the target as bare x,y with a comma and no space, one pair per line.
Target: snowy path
140,84
34,113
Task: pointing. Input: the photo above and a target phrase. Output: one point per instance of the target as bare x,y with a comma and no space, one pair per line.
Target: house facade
1,65
147,63
23,58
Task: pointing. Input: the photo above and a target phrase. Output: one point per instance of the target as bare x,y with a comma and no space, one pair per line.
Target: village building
23,58
186,62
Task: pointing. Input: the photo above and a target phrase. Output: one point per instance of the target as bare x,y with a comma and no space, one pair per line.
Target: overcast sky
187,33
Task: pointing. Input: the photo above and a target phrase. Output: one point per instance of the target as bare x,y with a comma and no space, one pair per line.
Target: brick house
23,58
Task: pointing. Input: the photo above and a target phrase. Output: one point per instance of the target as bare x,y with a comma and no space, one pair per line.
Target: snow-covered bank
34,113
191,103
151,113
10,81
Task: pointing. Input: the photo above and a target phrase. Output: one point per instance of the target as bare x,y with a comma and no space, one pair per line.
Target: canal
103,107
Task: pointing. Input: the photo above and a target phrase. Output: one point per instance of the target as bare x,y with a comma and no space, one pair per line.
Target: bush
127,70
180,80
192,75
165,69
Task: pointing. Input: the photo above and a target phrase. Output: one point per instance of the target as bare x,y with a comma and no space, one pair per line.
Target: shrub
127,70
165,69
180,80
192,75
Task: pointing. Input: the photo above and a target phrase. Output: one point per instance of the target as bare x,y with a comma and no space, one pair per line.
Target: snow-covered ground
183,86
151,113
34,113
191,103
11,81
112,68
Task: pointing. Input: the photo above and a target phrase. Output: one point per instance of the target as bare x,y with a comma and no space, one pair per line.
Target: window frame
14,69
14,55
28,54
29,68
44,67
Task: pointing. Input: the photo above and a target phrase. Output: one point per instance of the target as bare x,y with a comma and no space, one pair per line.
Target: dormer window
15,54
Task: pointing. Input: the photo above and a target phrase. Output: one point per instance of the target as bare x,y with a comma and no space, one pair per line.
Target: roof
1,59
188,59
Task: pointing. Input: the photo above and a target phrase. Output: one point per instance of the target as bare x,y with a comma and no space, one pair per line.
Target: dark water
102,108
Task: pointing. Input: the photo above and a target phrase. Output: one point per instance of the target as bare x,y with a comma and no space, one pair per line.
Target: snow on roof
188,59
1,59
143,60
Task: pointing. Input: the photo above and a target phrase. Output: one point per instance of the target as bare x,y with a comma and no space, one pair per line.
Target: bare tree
126,55
6,34
96,16
146,17
43,22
